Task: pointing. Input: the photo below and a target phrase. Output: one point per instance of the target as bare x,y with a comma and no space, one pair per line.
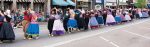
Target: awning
60,2
84,0
39,1
71,3
23,0
6,0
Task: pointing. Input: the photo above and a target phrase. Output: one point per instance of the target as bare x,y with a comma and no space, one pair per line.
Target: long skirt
33,29
100,20
140,15
81,23
137,16
118,19
86,23
50,25
104,17
127,18
58,28
72,23
6,32
93,22
145,15
65,23
122,18
110,20
1,23
25,24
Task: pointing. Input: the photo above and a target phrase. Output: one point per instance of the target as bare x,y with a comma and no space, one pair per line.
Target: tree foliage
141,3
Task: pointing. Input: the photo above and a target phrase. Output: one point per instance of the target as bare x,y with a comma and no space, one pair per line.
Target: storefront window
22,6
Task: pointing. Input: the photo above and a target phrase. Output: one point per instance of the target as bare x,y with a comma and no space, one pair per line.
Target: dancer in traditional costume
145,14
33,27
58,28
93,22
127,17
110,20
80,19
72,23
104,16
118,17
1,22
51,22
6,31
65,20
100,19
25,22
86,17
122,15
140,13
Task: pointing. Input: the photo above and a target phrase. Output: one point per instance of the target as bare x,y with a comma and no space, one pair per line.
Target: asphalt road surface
132,34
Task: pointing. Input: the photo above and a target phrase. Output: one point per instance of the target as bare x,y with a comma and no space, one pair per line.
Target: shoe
49,34
52,35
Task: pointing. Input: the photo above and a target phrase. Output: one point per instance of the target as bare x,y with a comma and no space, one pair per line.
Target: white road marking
138,34
65,42
114,44
104,39
71,40
109,41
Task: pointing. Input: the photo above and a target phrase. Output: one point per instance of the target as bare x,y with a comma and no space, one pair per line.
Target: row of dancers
70,21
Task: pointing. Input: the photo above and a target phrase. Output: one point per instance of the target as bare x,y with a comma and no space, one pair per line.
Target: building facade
36,5
63,3
90,4
84,4
116,3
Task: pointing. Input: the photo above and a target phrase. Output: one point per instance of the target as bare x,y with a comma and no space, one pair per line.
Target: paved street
134,34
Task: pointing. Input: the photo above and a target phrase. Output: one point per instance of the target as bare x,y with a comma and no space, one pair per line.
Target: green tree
141,3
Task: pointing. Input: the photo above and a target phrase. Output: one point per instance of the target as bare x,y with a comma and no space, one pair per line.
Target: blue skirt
93,21
33,29
72,23
100,20
118,19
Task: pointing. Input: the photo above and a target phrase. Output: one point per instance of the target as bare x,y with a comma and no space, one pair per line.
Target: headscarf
7,12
